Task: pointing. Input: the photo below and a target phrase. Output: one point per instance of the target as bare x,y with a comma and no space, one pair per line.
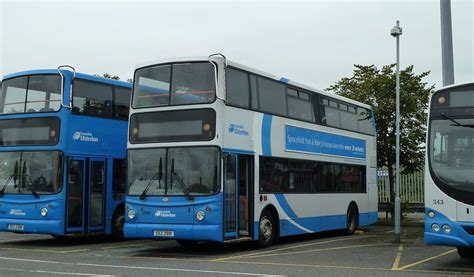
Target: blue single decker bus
63,153
449,169
219,151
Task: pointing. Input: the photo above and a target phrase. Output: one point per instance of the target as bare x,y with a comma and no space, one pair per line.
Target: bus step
238,240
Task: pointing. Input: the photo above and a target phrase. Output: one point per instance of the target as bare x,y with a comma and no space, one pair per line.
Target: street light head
396,31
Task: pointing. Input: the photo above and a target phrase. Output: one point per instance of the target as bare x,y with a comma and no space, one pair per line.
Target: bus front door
86,195
238,191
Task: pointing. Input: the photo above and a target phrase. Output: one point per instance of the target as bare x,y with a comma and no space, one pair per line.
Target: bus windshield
173,171
30,172
30,94
452,152
174,84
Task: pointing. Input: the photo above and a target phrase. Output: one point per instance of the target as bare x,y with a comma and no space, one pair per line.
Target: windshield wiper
13,176
158,174
182,185
456,123
2,192
30,186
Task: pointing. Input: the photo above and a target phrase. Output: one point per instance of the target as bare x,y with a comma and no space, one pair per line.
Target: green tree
109,76
376,87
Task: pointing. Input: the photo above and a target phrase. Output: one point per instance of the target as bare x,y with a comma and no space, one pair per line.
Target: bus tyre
466,252
352,220
187,243
117,226
267,229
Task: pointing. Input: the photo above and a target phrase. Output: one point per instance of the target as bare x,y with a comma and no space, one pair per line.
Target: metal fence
411,187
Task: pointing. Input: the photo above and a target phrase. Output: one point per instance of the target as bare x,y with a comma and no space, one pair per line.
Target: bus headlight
446,229
200,215
431,214
131,214
435,227
44,211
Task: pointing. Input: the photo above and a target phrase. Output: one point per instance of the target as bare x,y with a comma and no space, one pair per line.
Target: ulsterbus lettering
238,129
17,212
164,214
85,136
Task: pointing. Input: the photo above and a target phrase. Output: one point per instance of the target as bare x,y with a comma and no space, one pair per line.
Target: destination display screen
29,131
459,97
168,126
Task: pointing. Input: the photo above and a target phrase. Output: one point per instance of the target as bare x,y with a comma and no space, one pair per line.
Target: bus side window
272,96
365,121
91,98
253,92
237,85
121,102
299,105
119,176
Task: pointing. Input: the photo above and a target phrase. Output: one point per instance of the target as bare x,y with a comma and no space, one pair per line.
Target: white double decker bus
222,152
449,169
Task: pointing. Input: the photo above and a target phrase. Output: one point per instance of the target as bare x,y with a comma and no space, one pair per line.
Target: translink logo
84,136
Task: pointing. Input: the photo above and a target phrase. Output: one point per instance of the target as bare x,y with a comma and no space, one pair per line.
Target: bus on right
449,169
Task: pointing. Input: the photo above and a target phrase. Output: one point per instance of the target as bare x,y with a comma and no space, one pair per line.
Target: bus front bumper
457,235
34,226
179,231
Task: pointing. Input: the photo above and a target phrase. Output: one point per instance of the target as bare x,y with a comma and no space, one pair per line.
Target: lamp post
447,43
397,32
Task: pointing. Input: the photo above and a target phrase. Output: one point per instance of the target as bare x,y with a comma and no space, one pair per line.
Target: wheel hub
266,228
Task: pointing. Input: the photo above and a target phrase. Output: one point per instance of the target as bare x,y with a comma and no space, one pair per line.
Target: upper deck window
238,89
29,94
174,84
122,102
92,98
299,105
100,99
272,96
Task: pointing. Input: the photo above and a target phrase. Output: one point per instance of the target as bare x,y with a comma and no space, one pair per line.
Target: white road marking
12,269
140,267
70,273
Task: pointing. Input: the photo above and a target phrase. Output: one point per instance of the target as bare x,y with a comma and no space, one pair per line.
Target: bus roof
258,72
78,75
455,85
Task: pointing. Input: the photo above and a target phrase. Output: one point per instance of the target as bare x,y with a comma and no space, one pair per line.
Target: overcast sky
312,42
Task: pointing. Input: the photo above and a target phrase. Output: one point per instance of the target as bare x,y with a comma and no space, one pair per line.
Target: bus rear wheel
352,220
117,226
267,229
466,252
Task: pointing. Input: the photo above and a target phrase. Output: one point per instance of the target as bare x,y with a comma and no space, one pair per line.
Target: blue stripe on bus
322,223
266,135
285,206
239,151
284,80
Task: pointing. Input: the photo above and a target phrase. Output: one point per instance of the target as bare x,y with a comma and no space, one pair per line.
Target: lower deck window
279,175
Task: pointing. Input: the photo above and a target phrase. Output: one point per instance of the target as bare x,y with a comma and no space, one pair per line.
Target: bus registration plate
163,233
16,227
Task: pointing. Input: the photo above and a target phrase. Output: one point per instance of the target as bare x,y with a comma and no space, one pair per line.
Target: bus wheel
187,243
117,226
352,220
466,252
267,229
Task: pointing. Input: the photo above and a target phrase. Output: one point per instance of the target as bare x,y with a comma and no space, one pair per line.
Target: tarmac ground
370,252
